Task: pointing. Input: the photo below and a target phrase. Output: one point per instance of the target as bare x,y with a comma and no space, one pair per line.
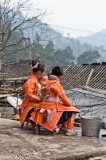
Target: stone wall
6,112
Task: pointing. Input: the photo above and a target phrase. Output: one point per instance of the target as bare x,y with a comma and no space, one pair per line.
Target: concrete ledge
84,156
16,144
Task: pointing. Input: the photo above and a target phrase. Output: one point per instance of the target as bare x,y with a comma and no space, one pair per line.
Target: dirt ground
18,144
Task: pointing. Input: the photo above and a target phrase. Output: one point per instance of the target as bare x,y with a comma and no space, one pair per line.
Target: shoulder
53,82
55,85
30,81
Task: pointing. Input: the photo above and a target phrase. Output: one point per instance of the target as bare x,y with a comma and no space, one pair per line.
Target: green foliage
51,56
49,53
65,56
88,57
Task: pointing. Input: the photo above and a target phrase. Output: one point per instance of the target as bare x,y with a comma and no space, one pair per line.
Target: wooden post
37,129
89,77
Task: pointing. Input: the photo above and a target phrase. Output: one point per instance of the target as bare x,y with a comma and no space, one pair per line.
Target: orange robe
31,88
57,103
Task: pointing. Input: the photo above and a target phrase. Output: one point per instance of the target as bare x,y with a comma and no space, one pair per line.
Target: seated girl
32,88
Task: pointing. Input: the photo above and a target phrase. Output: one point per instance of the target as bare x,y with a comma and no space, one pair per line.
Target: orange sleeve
30,90
59,91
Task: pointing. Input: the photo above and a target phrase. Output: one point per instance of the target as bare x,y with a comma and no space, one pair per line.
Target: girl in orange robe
60,107
32,89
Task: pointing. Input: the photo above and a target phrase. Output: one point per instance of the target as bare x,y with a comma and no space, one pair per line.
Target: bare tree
17,25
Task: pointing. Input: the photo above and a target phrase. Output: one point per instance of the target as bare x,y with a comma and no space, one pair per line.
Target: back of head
37,65
57,71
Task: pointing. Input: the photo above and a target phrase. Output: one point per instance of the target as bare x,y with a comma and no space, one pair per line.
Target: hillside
42,33
97,39
78,45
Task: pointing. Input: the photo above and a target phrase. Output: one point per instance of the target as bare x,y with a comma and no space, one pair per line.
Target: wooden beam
89,77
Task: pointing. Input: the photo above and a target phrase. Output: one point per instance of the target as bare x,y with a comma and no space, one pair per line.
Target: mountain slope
97,39
61,42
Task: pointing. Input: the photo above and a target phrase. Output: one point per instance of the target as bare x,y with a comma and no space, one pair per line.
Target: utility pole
1,33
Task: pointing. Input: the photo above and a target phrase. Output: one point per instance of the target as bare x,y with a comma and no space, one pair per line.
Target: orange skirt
29,106
57,110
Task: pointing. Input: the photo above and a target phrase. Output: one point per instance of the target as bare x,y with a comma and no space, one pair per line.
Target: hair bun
34,62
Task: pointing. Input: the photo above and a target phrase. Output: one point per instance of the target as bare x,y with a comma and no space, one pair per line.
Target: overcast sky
77,14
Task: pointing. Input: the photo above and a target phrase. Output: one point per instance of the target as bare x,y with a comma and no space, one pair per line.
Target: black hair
57,71
40,67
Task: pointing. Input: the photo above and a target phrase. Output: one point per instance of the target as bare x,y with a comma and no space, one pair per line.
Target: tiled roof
74,76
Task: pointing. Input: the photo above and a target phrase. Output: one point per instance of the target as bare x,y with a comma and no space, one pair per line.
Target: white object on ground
14,101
